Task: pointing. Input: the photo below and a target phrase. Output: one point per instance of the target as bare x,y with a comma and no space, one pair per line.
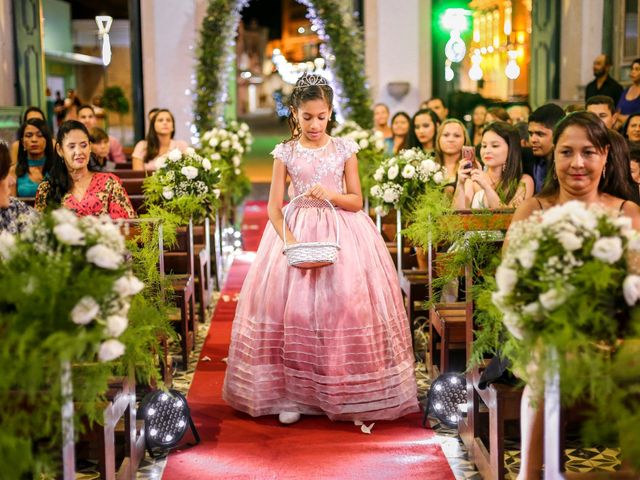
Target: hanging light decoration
104,25
455,49
475,72
512,71
455,20
448,71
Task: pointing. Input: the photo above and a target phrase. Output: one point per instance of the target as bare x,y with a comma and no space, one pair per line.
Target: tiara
310,80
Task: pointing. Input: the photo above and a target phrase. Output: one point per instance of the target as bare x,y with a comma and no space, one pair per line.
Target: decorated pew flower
402,178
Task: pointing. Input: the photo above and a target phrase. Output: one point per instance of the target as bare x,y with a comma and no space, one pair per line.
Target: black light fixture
447,392
166,418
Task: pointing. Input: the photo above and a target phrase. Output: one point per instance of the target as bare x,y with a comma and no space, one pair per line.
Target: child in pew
99,161
332,340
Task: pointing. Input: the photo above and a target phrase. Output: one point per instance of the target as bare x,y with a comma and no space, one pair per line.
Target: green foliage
114,100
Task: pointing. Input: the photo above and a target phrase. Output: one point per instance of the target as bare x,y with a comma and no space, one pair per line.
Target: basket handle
286,210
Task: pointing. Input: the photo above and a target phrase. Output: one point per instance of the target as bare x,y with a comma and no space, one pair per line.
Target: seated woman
584,168
631,128
159,141
35,153
502,183
422,133
71,184
29,113
451,138
14,214
399,140
381,120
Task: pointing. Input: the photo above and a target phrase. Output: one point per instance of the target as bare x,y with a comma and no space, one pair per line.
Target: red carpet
237,446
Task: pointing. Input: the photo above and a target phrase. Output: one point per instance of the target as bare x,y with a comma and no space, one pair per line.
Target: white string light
104,25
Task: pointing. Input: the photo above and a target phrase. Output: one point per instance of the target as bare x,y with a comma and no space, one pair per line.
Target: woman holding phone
450,142
501,182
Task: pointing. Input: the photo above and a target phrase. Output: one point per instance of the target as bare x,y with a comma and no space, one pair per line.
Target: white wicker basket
310,254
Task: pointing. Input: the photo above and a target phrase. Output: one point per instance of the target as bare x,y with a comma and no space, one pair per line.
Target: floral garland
401,179
184,183
569,283
371,153
65,295
343,50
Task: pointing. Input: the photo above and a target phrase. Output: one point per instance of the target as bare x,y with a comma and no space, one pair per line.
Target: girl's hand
319,192
464,171
481,178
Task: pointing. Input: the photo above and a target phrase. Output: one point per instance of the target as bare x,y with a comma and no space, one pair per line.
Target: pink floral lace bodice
324,165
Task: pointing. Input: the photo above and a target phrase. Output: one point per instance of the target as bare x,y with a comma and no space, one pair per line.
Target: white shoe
288,417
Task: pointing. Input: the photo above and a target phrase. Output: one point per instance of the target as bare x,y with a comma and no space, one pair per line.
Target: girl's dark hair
306,90
500,113
153,142
617,180
32,109
5,160
22,166
59,178
625,127
512,173
413,138
405,142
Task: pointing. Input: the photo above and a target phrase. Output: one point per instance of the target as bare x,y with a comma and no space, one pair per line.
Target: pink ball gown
333,340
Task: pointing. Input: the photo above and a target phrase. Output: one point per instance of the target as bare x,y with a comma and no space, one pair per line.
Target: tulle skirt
333,340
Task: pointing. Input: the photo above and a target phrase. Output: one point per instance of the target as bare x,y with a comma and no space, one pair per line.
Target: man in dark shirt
541,124
603,84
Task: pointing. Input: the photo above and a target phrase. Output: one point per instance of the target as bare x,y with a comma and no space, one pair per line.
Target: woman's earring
604,171
555,175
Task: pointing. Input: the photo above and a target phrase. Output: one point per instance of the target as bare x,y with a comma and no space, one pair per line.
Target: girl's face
635,171
479,114
163,124
75,150
6,186
579,163
425,129
634,73
400,126
100,149
633,130
451,139
33,142
380,116
494,150
313,117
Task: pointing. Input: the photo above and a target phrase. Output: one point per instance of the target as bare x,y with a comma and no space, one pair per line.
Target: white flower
104,257
363,143
85,311
376,191
380,211
206,136
379,175
438,177
7,244
175,155
569,240
110,350
237,171
236,161
225,144
512,322
631,289
127,286
393,172
64,215
189,172
429,165
552,298
215,157
116,325
408,171
607,249
189,151
68,234
380,144
206,164
506,279
213,142
216,192
526,257
533,309
167,192
390,195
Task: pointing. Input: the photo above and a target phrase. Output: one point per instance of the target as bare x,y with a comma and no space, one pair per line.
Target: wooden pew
128,173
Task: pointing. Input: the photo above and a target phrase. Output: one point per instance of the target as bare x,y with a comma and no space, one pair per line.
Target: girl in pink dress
332,340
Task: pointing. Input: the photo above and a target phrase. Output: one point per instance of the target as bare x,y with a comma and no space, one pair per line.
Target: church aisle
234,445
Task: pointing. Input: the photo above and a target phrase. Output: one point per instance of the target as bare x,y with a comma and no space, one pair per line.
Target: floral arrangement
65,294
401,179
225,148
184,183
371,153
569,283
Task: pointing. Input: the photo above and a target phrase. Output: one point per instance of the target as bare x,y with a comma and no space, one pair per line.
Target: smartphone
468,156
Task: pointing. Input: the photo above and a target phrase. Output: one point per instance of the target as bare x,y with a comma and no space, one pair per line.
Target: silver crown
311,79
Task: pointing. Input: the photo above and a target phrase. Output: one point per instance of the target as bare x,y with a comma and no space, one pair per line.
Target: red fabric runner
237,446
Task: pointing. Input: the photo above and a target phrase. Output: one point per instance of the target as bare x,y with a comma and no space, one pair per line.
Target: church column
398,50
7,56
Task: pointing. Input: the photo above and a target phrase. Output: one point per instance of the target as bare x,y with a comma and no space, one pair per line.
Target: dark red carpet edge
237,446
